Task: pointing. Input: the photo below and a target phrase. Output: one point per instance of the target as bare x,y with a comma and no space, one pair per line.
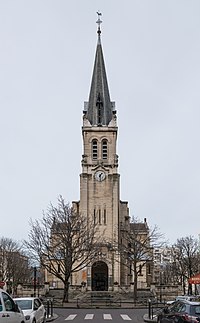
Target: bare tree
11,253
186,259
63,242
136,248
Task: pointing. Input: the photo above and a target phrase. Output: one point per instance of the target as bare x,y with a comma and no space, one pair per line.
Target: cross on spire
99,23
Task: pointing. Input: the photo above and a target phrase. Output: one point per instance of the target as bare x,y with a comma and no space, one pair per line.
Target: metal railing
99,300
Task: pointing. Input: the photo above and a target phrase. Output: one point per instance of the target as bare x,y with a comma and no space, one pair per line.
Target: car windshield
24,304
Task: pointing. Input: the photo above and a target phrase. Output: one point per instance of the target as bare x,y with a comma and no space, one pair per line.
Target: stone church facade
100,201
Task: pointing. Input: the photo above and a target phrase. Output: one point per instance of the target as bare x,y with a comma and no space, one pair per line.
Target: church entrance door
99,276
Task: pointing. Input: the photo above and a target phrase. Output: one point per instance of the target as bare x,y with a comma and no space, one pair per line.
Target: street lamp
36,276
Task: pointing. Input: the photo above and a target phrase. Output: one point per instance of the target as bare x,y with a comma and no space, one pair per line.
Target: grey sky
152,55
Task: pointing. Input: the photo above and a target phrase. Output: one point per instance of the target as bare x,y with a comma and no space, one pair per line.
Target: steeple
100,109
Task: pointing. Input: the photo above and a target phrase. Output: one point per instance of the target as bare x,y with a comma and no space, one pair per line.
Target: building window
104,216
104,149
99,216
94,149
95,217
130,270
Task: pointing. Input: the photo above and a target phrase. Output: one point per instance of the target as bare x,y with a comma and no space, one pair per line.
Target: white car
190,298
9,311
33,309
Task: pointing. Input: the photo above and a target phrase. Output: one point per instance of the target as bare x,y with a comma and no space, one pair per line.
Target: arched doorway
99,276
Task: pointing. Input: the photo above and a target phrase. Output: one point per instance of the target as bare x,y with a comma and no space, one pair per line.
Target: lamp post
34,281
162,267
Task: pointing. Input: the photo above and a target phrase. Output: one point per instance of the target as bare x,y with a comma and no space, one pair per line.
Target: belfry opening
99,276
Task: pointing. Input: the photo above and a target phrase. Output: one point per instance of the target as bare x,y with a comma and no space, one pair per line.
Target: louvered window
94,149
104,149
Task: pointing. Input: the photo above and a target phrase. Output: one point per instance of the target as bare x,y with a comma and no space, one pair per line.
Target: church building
100,182
115,264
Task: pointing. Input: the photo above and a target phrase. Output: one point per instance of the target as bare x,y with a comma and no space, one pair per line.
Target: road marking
71,317
89,316
125,317
107,317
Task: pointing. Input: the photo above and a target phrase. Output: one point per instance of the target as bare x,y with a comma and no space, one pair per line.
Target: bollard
149,308
51,307
48,308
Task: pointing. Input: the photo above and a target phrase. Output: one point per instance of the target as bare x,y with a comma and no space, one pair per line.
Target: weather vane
99,22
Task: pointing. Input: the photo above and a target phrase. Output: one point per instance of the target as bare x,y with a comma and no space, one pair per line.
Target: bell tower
99,179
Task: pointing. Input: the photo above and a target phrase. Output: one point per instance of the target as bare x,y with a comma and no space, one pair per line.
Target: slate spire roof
99,108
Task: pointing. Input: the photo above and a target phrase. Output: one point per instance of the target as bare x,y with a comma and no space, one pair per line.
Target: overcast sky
152,55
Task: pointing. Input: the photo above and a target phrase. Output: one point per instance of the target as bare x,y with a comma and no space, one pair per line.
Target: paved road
100,315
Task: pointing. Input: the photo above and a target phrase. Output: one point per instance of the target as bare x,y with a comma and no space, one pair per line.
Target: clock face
100,175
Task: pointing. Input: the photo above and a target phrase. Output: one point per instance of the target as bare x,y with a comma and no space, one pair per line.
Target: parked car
190,298
33,309
181,311
9,311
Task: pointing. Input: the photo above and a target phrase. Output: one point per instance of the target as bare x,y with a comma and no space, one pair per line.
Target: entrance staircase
99,299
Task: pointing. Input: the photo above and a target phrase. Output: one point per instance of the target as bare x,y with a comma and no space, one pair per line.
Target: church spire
99,108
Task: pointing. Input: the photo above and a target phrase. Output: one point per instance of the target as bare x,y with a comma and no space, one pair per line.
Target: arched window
104,216
94,149
95,217
99,216
104,149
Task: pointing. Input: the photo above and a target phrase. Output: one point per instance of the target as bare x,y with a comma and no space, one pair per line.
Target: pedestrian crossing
107,317
125,317
71,317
